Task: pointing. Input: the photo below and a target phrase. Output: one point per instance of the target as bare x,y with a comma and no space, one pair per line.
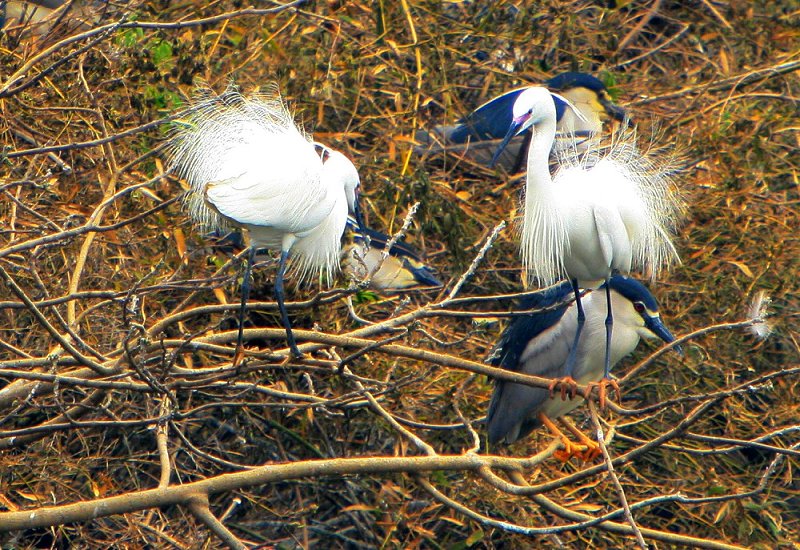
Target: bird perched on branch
250,166
603,212
477,135
403,268
539,343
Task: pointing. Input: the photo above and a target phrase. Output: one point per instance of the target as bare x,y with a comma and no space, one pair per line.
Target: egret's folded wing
280,187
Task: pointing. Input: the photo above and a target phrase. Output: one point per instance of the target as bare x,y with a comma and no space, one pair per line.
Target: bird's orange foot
570,449
566,385
592,447
592,451
602,390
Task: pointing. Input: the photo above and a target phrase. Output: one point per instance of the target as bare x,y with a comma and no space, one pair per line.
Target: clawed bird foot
587,450
602,390
567,386
570,449
591,453
586,453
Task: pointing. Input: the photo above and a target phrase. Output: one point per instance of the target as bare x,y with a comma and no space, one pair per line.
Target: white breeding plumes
604,210
249,165
616,179
601,213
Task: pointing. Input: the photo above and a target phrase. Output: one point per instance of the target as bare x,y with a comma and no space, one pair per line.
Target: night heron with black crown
477,135
540,342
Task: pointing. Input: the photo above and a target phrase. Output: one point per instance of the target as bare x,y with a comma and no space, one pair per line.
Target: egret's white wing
614,239
280,188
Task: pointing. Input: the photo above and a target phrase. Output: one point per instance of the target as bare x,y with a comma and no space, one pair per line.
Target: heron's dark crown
575,80
633,290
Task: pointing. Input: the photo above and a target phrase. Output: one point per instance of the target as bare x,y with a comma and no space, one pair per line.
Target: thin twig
614,478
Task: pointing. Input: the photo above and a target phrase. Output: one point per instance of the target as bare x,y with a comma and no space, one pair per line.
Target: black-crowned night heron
403,268
250,166
477,135
540,342
605,211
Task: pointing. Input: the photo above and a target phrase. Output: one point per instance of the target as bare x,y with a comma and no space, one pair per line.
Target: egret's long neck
539,178
543,230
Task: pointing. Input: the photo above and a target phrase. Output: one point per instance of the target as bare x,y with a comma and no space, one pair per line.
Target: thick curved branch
183,494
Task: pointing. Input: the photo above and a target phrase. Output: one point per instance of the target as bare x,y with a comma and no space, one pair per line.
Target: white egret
539,344
601,213
250,166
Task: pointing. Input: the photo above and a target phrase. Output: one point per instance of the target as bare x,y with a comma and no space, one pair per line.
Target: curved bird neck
544,236
539,178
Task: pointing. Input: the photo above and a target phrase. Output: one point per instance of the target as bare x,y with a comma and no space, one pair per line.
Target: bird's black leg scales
609,327
568,384
251,256
606,381
279,296
573,352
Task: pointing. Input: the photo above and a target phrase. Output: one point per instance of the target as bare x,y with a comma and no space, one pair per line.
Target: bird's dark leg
251,257
568,384
609,328
279,296
606,381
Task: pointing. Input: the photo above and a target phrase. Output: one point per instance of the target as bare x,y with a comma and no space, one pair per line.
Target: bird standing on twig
539,344
601,213
250,166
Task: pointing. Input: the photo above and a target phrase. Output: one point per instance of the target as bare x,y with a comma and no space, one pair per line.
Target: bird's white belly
265,237
598,243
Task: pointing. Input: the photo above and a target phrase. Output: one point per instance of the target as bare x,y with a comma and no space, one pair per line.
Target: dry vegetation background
115,343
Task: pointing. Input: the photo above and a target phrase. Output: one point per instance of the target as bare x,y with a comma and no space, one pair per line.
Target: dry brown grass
709,79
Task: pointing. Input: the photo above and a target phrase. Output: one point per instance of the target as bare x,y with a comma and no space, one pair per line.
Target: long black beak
512,131
614,111
422,274
658,328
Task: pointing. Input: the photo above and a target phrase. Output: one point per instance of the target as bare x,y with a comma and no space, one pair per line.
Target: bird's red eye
639,307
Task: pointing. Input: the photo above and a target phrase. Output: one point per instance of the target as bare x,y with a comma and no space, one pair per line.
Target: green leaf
475,537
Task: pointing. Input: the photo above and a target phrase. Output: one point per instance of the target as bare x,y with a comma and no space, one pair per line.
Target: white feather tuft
248,164
605,209
211,143
758,313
